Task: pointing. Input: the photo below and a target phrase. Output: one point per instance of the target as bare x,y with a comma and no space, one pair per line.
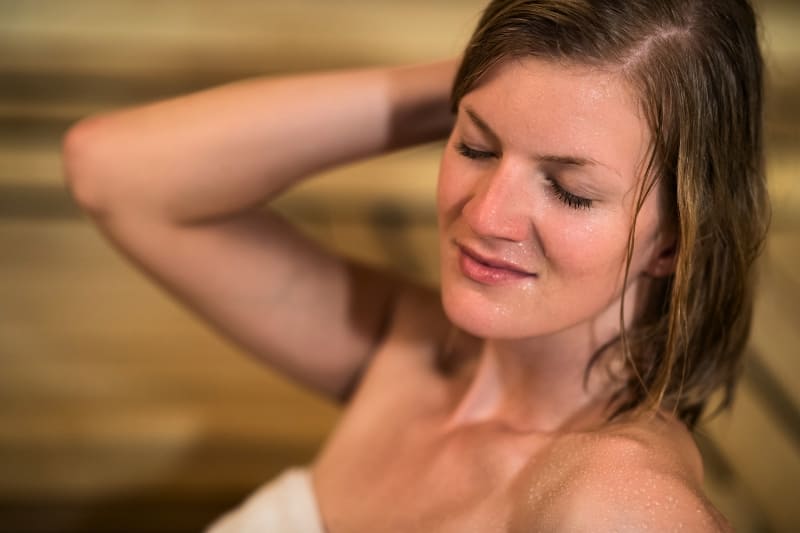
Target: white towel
285,505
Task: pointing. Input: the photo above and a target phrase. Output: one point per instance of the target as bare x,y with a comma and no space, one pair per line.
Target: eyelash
563,195
566,197
472,153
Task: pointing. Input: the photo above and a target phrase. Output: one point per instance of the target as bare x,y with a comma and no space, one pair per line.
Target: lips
489,270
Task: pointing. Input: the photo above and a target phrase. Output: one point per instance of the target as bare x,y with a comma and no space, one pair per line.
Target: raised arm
177,186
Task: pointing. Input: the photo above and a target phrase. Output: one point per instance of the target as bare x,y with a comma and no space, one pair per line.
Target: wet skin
541,172
535,202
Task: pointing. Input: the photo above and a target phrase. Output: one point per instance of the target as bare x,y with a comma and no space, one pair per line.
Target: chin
481,318
473,311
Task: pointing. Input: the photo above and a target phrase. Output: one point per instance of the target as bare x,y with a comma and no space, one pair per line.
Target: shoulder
640,476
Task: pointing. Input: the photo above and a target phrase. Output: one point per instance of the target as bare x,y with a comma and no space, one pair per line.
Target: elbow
82,163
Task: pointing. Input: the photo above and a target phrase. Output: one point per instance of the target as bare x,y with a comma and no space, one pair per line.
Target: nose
497,207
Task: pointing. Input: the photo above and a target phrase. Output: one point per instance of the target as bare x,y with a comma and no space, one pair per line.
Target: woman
601,203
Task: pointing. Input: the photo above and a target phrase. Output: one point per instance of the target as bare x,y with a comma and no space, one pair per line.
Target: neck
541,384
528,391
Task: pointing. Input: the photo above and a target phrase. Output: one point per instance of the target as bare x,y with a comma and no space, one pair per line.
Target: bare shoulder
634,476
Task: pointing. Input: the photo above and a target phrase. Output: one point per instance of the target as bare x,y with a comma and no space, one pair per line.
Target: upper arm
176,185
308,313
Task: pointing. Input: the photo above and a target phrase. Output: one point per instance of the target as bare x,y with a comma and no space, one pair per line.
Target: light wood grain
119,407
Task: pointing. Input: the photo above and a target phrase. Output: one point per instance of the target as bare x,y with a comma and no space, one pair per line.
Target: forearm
220,151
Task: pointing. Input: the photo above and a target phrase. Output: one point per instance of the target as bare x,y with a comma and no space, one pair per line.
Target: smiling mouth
488,271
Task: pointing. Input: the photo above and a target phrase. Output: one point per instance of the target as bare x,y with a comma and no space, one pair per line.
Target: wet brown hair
697,69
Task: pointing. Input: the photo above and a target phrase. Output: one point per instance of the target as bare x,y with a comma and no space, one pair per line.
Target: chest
391,467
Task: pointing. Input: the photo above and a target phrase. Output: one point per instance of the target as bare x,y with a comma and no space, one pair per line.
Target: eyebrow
551,158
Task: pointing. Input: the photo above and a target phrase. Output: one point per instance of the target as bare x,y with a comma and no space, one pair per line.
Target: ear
663,262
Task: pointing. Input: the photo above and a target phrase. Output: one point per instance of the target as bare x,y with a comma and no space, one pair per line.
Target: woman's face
536,196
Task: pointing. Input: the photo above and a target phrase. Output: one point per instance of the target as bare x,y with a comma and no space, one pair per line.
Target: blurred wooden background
120,412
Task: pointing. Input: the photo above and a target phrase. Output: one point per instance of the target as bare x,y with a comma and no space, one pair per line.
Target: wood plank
129,36
776,337
763,457
117,406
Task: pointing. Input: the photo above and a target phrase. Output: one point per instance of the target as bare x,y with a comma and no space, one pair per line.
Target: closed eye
472,153
567,198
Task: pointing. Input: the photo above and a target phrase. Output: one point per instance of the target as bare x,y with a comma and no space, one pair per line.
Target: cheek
585,244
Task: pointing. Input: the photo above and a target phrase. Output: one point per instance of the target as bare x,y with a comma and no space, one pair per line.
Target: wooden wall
120,411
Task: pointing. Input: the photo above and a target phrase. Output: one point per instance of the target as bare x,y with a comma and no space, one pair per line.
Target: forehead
540,106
